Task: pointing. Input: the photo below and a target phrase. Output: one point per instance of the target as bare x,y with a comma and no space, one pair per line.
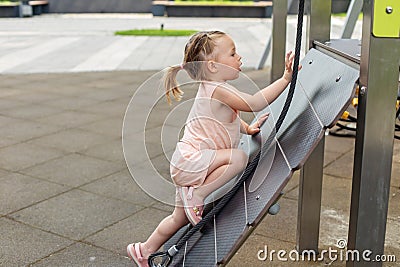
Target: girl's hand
287,75
255,127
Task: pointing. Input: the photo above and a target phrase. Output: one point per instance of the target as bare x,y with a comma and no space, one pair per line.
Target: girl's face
229,61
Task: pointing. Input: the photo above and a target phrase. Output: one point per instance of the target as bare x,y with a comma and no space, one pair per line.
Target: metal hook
159,259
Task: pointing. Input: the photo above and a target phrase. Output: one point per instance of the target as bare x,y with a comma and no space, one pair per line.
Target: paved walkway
66,196
74,43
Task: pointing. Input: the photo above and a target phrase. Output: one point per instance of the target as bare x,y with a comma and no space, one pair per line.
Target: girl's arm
253,103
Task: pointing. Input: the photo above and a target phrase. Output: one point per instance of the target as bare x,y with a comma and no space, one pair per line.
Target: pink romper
203,135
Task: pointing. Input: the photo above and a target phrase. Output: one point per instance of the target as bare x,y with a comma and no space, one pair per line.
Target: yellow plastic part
355,102
345,115
386,21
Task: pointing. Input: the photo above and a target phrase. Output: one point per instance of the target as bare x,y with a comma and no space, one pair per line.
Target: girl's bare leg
226,165
164,231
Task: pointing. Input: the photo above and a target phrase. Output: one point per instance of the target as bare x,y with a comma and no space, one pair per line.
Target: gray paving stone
103,94
114,108
70,103
342,167
271,226
18,191
71,140
132,121
29,112
11,85
392,251
163,207
396,151
157,55
394,207
70,119
73,86
395,181
6,92
80,254
78,95
23,155
135,146
152,182
144,52
136,228
335,223
330,157
5,120
336,193
292,186
73,170
162,166
126,77
86,46
6,103
33,97
110,151
105,83
249,255
26,130
110,127
5,141
339,144
4,173
333,227
175,56
121,186
75,214
166,136
21,244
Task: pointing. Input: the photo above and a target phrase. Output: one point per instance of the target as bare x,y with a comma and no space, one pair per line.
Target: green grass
156,32
8,3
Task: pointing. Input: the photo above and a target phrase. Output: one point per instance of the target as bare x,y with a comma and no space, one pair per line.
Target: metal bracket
386,20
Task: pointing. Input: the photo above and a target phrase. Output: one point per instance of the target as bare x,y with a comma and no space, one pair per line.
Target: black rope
253,164
344,127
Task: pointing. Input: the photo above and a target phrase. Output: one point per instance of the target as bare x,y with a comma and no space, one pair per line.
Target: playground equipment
326,85
379,76
378,83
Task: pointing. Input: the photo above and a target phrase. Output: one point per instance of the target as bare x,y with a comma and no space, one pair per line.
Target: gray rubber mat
324,90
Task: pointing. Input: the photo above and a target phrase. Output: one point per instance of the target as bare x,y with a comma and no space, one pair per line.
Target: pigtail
197,50
171,85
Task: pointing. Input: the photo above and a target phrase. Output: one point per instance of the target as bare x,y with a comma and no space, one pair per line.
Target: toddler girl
207,156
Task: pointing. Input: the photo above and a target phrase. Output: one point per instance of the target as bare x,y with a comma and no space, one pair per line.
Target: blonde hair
199,48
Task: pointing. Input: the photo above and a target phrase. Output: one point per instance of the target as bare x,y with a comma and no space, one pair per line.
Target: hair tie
182,66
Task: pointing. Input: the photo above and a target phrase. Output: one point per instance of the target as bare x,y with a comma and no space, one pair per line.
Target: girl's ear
212,66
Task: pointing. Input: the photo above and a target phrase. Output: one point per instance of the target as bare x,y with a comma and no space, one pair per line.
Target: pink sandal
193,210
135,254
